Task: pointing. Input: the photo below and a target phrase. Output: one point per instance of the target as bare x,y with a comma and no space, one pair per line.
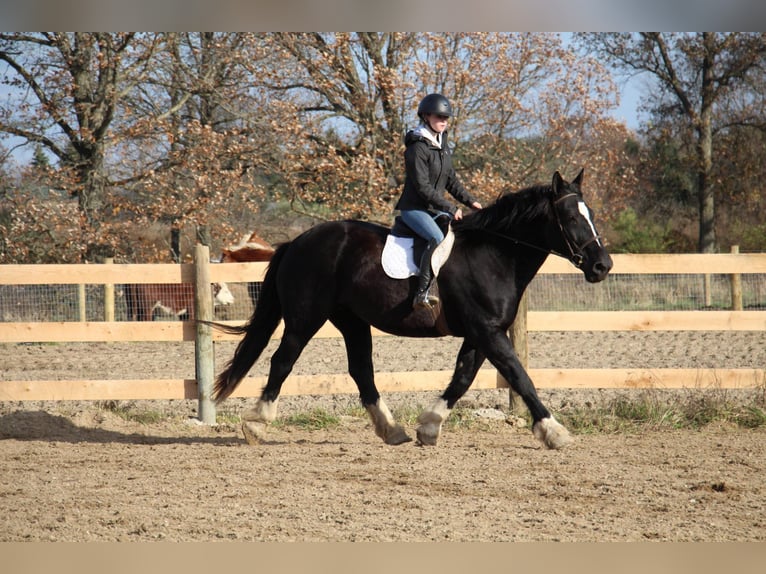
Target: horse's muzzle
597,269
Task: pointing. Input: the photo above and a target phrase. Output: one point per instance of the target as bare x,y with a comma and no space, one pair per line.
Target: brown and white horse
252,248
144,300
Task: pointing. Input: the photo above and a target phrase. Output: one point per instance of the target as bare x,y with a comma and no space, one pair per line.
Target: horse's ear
558,183
578,179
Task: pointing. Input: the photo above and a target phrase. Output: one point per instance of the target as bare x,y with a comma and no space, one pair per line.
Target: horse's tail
257,331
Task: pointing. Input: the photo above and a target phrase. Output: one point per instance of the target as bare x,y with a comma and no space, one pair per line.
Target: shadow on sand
43,426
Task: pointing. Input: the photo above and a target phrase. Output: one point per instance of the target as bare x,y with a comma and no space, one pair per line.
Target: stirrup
425,301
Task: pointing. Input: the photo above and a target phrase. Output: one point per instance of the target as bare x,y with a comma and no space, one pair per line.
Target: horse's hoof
430,423
552,433
254,432
397,436
426,437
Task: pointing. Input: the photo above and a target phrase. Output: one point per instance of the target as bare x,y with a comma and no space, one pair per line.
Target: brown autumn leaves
197,131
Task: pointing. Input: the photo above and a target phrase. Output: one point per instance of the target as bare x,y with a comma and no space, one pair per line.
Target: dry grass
691,409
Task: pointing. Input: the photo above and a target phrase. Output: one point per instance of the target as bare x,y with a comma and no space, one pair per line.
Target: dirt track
77,472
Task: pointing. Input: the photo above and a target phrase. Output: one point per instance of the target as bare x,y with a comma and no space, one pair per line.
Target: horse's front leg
545,427
358,339
430,421
385,426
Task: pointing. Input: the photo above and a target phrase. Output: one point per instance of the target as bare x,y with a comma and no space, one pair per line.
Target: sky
631,91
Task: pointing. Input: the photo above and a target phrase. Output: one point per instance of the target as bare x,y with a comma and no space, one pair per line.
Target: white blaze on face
583,209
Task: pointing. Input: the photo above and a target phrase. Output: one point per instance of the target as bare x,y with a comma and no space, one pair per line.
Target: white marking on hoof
551,433
255,432
430,422
255,421
263,411
385,426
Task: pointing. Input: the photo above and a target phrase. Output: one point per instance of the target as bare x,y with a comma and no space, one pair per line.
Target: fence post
204,356
108,296
708,290
521,346
82,303
736,286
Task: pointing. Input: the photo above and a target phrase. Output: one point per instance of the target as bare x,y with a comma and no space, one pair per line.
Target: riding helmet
434,104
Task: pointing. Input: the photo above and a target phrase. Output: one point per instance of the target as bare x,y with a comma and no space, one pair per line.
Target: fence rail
735,319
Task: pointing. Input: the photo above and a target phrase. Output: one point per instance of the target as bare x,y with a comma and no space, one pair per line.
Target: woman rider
429,172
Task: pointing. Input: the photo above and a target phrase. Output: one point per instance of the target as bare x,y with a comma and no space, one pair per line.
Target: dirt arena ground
77,471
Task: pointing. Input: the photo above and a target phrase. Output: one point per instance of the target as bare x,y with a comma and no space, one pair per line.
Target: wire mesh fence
547,292
652,292
48,303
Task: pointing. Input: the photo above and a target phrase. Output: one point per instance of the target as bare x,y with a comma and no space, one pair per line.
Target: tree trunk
175,244
91,198
705,189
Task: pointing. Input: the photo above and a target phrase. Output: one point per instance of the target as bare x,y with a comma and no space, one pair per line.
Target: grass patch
628,412
460,418
406,415
654,409
316,419
127,413
227,419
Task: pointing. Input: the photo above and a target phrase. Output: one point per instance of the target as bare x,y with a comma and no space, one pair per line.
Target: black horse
333,272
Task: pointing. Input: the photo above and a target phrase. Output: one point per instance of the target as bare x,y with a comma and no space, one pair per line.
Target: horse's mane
510,208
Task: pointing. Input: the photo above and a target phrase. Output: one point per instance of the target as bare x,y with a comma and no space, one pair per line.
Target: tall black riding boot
422,297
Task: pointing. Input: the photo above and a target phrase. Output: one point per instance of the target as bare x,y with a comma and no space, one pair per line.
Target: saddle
404,248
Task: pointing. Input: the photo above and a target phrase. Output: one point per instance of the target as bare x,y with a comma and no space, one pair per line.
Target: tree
39,159
69,86
706,80
146,129
162,131
344,109
526,106
203,134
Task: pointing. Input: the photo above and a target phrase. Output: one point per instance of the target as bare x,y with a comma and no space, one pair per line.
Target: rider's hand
458,215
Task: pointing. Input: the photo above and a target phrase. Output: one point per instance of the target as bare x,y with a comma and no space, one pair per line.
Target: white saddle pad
399,262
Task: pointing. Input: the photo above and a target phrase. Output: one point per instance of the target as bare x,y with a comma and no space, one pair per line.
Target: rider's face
438,123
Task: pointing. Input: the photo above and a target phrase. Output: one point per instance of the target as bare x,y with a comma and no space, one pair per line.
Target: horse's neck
530,248
517,255
525,274
520,243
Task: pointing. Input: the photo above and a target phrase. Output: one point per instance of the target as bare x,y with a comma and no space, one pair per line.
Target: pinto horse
251,248
332,272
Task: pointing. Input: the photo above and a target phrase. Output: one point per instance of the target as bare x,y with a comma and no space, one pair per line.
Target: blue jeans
422,223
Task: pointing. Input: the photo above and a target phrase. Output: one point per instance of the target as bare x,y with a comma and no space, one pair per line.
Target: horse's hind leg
469,360
358,339
255,420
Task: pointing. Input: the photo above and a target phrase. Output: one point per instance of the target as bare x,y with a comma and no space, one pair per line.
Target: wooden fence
201,273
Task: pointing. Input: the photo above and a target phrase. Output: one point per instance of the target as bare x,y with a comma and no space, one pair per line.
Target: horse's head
579,240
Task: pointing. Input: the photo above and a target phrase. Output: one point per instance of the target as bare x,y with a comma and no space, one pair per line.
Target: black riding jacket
429,172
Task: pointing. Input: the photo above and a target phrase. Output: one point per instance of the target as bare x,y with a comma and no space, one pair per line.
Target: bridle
575,251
